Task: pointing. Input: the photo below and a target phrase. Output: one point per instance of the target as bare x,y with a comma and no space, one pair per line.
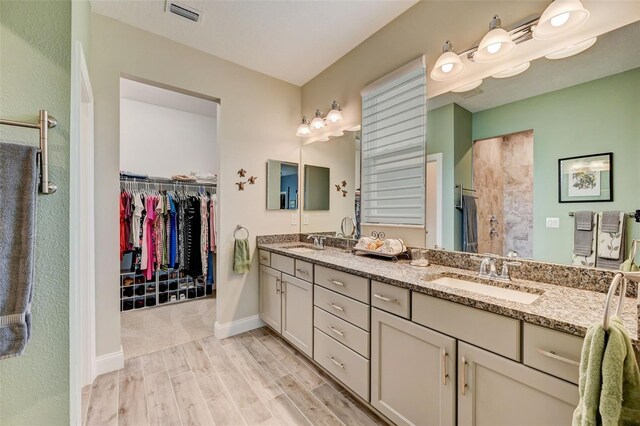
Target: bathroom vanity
420,348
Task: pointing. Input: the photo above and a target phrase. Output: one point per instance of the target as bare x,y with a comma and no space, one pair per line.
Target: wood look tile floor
255,378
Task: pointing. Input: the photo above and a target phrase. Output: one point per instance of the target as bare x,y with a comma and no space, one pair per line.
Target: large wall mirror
503,146
282,185
331,183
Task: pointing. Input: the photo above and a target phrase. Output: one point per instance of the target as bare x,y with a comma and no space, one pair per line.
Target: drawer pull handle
464,376
338,332
445,374
341,284
555,356
302,271
384,298
334,306
333,360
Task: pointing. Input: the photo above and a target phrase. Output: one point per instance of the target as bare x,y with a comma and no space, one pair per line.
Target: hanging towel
241,257
584,238
590,382
630,265
18,189
469,224
620,396
611,221
610,244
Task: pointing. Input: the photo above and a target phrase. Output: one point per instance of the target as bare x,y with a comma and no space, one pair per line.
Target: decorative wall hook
252,180
338,188
344,183
240,185
242,172
344,193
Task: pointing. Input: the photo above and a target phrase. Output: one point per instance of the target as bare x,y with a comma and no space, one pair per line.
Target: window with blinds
393,147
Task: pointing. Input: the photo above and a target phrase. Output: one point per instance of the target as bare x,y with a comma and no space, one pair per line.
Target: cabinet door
270,299
413,375
297,313
496,391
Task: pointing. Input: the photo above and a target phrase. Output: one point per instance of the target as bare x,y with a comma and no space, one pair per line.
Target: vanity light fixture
303,129
573,49
335,115
495,44
510,72
318,122
447,65
559,17
467,87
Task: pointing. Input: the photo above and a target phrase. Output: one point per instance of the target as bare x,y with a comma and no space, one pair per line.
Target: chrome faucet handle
505,269
321,241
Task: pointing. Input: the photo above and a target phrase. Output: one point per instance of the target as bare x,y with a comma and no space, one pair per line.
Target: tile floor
150,330
255,378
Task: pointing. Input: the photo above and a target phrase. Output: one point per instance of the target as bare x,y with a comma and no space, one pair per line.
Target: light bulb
446,67
493,48
318,121
560,20
303,129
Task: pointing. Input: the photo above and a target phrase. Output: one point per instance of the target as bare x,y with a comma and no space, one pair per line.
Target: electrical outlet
294,218
553,222
305,219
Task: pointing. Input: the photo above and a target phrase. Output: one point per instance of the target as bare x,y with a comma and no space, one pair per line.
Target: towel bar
45,122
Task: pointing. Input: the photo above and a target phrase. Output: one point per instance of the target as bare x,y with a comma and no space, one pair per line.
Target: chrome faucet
318,240
489,270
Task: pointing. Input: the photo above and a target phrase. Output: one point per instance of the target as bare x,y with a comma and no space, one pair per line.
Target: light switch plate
553,222
294,218
305,219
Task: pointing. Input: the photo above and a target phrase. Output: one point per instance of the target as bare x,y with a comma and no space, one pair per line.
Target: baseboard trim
229,329
110,362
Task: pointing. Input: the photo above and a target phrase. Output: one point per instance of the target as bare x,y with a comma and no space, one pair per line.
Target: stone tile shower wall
488,181
517,162
503,180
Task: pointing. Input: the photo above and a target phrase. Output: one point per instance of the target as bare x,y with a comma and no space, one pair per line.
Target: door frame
82,335
436,158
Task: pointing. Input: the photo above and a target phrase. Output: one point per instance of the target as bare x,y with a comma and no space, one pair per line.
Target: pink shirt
150,222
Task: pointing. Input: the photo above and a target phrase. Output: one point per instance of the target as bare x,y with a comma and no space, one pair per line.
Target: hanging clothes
204,233
193,260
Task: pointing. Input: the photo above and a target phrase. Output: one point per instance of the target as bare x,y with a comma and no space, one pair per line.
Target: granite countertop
561,308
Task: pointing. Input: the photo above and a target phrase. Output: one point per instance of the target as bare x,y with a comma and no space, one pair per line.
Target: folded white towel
363,243
392,246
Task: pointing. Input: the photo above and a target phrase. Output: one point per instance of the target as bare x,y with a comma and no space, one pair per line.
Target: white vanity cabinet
413,372
494,390
286,305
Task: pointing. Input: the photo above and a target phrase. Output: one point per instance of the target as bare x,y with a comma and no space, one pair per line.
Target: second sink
488,290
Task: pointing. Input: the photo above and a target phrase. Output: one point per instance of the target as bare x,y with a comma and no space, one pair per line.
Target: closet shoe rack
171,286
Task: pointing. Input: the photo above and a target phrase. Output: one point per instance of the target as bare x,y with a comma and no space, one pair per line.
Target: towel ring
612,292
239,228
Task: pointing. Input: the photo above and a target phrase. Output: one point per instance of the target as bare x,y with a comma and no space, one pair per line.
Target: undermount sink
488,290
303,249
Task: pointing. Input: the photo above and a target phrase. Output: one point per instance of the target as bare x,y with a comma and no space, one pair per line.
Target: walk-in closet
168,208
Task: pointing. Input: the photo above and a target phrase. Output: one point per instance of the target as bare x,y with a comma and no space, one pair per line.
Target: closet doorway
169,163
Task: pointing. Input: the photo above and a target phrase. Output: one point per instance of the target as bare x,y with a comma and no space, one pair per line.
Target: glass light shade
303,130
317,123
334,116
510,72
447,66
467,87
494,45
573,49
560,17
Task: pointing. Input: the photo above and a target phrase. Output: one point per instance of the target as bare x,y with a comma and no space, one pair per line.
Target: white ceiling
293,40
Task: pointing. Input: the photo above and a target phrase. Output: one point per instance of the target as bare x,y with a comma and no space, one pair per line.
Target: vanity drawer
304,270
552,351
343,363
342,282
344,332
390,298
283,263
341,306
487,330
264,257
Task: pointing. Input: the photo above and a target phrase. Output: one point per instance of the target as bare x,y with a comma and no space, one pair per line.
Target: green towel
629,266
586,414
620,397
241,257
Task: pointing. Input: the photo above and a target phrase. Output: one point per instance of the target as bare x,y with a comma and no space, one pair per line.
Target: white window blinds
393,147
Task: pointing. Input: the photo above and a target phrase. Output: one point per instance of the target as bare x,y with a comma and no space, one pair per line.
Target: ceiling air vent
184,11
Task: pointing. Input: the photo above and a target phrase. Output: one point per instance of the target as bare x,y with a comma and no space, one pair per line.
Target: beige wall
258,118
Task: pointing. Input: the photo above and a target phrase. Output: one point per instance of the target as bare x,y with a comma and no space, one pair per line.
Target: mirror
282,185
331,182
316,187
502,146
